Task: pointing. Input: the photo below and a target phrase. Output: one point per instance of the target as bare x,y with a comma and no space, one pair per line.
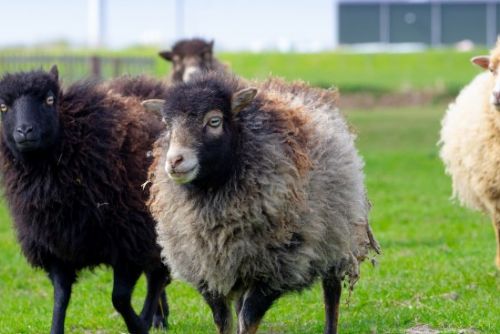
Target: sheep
256,195
190,57
72,164
140,87
470,142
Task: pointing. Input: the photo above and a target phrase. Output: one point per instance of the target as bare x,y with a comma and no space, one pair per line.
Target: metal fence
72,68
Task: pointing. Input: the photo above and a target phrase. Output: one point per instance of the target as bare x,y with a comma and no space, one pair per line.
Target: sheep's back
141,87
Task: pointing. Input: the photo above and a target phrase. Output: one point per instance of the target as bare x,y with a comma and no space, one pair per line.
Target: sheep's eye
3,107
49,100
215,121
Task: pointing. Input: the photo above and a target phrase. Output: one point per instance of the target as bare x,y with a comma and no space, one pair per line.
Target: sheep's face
201,133
189,58
28,106
491,63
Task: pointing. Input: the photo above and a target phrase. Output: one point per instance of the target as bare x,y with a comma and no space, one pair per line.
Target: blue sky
234,24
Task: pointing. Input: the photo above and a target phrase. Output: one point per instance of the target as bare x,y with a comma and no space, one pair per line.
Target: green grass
432,249
444,71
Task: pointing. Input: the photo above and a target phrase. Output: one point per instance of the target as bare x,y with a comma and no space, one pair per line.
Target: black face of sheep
189,57
201,132
29,111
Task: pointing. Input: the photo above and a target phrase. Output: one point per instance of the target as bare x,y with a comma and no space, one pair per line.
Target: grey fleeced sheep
259,194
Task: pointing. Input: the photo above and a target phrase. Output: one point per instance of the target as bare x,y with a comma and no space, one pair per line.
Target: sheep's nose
23,130
175,160
190,72
496,95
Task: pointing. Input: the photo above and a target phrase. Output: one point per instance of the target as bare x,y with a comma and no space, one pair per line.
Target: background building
430,22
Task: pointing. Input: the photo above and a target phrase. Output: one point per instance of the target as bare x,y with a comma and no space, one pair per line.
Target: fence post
95,66
116,66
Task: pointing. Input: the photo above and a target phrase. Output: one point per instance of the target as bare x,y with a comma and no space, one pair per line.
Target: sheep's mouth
185,176
27,145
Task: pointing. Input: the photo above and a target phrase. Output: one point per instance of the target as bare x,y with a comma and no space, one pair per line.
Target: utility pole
96,23
179,19
335,23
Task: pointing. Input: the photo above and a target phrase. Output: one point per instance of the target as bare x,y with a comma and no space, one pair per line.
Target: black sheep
73,163
141,87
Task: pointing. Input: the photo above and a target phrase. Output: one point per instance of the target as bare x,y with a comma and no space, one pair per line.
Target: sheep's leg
62,279
220,311
239,304
496,228
160,319
125,278
155,308
332,289
256,301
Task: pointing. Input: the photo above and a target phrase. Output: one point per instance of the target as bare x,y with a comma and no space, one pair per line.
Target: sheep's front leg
62,279
125,277
155,309
220,310
256,301
332,289
496,228
160,319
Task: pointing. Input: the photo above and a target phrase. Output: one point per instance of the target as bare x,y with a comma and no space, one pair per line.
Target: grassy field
436,268
444,71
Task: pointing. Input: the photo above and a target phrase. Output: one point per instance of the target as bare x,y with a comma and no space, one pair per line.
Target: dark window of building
498,20
410,23
463,21
359,24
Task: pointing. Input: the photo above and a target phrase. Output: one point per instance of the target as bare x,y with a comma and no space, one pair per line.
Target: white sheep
470,142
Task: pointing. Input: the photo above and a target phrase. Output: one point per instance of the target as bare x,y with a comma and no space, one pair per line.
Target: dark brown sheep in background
190,57
73,163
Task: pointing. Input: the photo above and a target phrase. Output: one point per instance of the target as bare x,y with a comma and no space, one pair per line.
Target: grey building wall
463,21
359,24
437,22
410,23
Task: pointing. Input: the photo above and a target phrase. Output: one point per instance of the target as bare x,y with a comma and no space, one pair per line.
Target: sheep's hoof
159,322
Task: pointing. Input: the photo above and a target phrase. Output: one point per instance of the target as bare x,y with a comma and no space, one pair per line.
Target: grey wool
291,209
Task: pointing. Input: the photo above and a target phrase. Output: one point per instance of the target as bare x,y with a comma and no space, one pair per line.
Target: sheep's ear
153,105
242,98
167,55
208,50
481,61
55,72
